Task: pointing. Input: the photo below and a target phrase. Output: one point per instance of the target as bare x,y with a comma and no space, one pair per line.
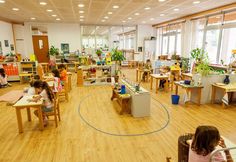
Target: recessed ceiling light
109,13
15,9
196,2
143,22
103,20
176,9
162,14
49,10
81,16
147,8
81,5
43,3
58,19
129,18
54,15
123,21
81,20
106,17
162,0
151,19
2,1
137,14
81,11
32,18
115,6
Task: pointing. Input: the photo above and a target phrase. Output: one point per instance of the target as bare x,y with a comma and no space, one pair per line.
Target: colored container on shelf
123,90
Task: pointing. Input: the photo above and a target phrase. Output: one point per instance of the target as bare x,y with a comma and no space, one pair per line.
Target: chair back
40,71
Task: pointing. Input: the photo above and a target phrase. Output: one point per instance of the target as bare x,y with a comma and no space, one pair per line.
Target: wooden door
41,48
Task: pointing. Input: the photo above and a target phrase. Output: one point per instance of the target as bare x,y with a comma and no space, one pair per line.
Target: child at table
57,87
205,141
47,95
31,89
63,74
165,70
3,79
147,69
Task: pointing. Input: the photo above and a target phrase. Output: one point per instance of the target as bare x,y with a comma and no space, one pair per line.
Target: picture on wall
6,43
140,49
65,48
1,48
12,47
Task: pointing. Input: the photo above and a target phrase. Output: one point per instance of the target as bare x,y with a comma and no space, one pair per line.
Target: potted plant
198,56
99,52
117,56
185,64
53,52
203,68
10,57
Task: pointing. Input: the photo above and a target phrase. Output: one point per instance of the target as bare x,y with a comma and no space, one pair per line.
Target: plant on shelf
53,51
185,64
99,52
117,56
199,55
203,68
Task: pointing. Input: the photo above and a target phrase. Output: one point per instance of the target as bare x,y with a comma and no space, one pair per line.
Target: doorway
41,48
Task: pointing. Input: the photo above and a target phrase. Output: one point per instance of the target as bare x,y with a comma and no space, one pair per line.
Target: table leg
40,115
176,89
213,94
140,76
157,86
28,114
223,104
19,120
199,96
166,85
136,75
151,82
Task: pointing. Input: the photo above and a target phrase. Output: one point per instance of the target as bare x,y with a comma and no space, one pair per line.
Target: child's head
56,73
148,61
42,85
35,78
2,72
205,139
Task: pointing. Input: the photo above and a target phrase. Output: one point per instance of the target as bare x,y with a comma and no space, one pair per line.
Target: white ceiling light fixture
49,10
176,9
106,17
109,13
54,15
58,19
162,14
15,9
129,18
81,20
136,14
147,8
123,21
115,7
143,22
81,5
81,12
161,0
103,20
2,1
196,2
81,16
43,3
151,19
32,18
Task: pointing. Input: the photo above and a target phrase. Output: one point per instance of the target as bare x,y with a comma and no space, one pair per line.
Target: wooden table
159,77
189,89
230,88
123,100
139,73
23,103
186,76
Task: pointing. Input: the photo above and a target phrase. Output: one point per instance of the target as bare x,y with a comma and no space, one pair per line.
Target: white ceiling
96,10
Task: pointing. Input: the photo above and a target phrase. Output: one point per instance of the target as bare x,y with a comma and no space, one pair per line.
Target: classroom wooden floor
76,141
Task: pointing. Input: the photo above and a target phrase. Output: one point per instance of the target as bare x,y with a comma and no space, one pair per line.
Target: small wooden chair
55,112
40,71
64,91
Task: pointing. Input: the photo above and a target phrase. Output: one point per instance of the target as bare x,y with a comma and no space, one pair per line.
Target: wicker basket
183,147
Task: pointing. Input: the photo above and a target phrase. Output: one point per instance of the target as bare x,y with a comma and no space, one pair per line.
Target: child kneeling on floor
3,79
47,95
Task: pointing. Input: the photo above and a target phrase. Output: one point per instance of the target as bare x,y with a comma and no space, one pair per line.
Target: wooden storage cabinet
12,70
28,67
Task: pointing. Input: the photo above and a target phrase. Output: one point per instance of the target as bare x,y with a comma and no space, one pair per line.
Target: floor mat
12,96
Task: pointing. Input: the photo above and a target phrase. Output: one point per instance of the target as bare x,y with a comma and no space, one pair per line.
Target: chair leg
55,118
58,113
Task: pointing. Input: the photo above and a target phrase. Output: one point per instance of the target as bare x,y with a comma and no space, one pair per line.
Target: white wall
6,33
144,32
64,33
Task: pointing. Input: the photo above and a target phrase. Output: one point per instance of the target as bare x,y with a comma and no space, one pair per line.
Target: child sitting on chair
147,69
3,79
165,70
63,74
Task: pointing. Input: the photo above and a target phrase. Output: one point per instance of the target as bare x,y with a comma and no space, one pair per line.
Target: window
211,45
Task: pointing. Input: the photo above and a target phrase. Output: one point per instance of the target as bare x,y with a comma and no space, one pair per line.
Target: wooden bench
123,100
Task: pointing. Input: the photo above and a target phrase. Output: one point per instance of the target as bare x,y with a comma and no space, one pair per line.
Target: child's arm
227,153
35,99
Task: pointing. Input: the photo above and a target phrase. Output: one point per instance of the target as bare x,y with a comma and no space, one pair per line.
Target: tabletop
188,86
228,87
159,76
23,102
